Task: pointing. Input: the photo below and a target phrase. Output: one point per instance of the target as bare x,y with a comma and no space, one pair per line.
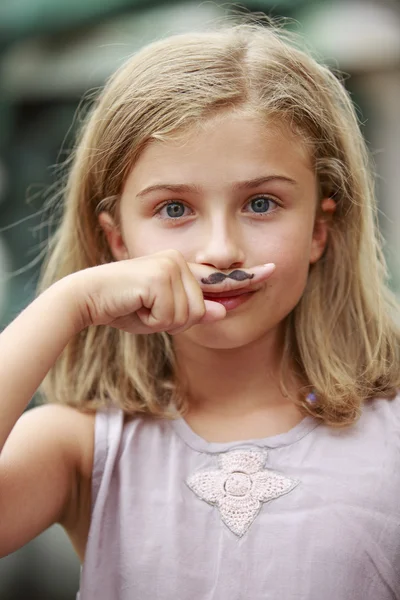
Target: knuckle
198,312
182,319
163,274
164,324
174,254
169,267
179,324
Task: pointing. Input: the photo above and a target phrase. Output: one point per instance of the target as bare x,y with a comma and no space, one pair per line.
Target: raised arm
42,454
29,347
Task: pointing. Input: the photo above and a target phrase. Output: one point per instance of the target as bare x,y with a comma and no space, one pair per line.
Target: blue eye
261,204
174,210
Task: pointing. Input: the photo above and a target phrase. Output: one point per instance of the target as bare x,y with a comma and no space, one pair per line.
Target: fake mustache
237,275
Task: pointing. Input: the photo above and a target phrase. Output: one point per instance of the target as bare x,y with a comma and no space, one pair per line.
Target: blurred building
52,52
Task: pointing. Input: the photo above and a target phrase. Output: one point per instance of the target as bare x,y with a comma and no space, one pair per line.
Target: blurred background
52,52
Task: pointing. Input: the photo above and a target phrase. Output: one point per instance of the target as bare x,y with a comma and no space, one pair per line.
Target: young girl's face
233,194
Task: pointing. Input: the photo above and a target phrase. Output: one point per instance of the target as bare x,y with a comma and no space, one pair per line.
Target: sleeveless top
308,514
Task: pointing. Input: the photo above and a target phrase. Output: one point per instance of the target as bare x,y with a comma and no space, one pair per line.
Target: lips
226,294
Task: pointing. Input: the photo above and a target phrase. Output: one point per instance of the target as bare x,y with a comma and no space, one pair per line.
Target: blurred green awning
23,18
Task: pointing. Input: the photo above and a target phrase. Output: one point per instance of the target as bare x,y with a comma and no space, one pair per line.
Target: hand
158,292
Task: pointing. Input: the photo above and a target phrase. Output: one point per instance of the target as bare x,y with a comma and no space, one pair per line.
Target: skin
231,365
237,275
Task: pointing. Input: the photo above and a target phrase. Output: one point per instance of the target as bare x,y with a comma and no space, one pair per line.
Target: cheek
141,241
291,254
288,247
291,275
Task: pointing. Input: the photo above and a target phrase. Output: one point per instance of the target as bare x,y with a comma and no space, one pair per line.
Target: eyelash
177,219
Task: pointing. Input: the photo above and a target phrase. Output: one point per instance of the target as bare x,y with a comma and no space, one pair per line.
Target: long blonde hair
342,335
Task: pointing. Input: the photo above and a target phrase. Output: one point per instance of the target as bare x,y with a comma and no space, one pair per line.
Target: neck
236,381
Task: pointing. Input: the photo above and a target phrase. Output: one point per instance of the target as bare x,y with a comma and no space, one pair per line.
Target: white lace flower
239,487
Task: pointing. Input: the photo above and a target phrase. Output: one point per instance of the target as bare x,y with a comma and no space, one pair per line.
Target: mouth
211,295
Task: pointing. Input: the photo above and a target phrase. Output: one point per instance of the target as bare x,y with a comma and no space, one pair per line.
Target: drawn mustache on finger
237,275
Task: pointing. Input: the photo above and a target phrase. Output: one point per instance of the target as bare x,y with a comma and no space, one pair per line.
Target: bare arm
29,347
45,471
41,454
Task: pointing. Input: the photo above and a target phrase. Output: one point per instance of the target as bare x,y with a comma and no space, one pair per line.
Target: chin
222,336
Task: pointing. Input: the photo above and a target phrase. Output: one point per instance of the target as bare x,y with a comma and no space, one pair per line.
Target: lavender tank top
310,514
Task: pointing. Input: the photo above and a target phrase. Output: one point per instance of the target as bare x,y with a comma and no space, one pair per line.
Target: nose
220,245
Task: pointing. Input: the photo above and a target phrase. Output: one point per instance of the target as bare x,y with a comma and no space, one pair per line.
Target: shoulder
46,457
69,435
54,427
379,424
383,410
376,430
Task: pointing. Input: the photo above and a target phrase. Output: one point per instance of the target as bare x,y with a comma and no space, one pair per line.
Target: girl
216,332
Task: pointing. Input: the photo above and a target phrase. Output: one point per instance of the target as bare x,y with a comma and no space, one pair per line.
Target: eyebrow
180,188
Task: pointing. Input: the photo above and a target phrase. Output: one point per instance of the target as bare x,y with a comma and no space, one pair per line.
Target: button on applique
239,487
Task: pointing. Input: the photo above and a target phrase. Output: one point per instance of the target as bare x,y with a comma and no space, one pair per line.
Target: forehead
225,148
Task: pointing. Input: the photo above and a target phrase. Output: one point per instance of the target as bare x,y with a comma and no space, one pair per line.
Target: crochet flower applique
239,487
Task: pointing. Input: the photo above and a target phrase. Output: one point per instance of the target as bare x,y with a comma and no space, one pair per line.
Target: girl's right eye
172,210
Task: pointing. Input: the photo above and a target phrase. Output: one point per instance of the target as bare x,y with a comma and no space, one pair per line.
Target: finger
214,312
211,280
158,308
196,305
181,302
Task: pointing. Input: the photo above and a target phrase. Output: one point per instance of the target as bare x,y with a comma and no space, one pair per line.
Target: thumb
214,312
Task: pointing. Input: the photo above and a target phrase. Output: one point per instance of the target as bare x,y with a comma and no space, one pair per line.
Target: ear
114,236
321,229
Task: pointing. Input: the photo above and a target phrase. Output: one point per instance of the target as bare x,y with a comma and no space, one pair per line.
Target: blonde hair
342,336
